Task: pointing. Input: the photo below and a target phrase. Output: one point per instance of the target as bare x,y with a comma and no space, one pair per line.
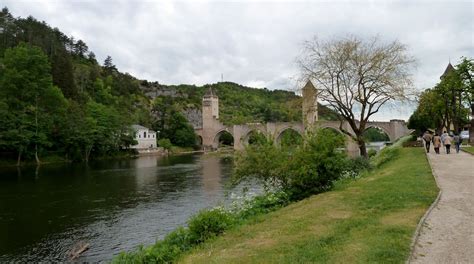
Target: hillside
238,104
94,101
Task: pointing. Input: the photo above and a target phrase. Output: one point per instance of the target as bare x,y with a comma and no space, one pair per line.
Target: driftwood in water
77,250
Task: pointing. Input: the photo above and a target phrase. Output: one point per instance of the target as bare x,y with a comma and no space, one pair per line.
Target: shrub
372,152
208,224
262,204
165,143
355,166
310,168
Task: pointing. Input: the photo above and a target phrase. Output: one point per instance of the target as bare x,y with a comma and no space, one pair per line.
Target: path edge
416,235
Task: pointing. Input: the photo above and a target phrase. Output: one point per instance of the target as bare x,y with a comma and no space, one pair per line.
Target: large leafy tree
356,77
447,104
29,97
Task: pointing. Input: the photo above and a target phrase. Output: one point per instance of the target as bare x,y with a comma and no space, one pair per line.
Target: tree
31,99
357,77
109,66
80,48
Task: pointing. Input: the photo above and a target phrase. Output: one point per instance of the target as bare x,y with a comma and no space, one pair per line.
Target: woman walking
447,143
436,142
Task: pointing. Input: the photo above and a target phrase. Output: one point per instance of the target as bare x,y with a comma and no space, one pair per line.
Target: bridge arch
253,131
289,129
382,128
219,134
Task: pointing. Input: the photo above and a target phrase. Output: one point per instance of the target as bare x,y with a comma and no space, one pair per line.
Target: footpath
447,235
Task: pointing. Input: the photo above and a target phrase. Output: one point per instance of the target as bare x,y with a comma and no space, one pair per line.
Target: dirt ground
447,235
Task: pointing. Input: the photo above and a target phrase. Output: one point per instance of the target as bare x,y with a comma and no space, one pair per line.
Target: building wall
148,142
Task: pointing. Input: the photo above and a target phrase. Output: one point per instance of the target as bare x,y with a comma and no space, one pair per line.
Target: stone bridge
212,129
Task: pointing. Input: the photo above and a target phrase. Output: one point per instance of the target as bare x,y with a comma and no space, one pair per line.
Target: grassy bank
369,220
469,149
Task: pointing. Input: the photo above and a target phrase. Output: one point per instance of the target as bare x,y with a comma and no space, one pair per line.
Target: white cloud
253,43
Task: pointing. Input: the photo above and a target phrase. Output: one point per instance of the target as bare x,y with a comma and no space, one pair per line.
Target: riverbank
369,220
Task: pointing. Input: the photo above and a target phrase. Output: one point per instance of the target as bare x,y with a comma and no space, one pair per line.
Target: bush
372,152
165,143
208,224
261,204
355,166
310,168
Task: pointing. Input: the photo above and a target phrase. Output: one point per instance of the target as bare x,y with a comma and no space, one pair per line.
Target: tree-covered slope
238,104
96,104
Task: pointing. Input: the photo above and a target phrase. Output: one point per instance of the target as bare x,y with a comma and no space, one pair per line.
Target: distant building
145,137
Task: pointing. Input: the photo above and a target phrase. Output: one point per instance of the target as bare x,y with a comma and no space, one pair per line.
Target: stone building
145,137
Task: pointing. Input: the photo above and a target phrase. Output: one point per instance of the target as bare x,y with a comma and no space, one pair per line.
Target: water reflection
113,205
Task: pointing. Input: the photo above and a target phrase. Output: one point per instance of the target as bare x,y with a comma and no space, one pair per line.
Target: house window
153,136
139,136
144,134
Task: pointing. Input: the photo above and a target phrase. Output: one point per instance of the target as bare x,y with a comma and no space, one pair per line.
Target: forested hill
55,96
238,104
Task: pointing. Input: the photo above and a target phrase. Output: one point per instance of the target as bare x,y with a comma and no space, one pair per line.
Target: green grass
469,149
371,220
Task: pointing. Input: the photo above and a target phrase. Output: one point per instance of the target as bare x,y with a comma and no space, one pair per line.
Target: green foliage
262,204
165,143
172,124
448,102
373,134
208,224
30,101
257,138
203,226
372,153
290,138
99,100
238,104
310,168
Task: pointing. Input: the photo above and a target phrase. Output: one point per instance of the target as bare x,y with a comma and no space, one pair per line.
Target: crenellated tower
210,109
310,105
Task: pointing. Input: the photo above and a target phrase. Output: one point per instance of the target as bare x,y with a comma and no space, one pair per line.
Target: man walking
427,138
457,142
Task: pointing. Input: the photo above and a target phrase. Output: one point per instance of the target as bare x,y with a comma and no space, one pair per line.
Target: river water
112,205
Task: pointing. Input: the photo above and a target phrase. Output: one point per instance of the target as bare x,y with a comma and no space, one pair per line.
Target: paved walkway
448,233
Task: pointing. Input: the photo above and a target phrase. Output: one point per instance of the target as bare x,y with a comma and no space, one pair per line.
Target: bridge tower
310,105
210,108
210,117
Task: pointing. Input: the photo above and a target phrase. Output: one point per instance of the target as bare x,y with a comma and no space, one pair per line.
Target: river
112,205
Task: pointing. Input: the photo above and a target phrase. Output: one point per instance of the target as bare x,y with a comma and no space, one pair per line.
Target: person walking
436,143
447,143
457,142
443,136
427,138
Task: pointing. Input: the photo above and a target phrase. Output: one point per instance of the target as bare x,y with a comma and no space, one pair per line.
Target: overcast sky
253,43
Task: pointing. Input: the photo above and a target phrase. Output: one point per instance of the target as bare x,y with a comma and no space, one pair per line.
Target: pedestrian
443,136
447,143
427,138
436,143
457,142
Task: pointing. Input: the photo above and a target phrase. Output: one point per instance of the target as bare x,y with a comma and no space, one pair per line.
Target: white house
145,137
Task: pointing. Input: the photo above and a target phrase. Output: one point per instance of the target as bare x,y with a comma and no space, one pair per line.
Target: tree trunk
38,162
18,161
362,148
36,133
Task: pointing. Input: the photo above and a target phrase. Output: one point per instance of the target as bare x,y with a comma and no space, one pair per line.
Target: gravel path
447,236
